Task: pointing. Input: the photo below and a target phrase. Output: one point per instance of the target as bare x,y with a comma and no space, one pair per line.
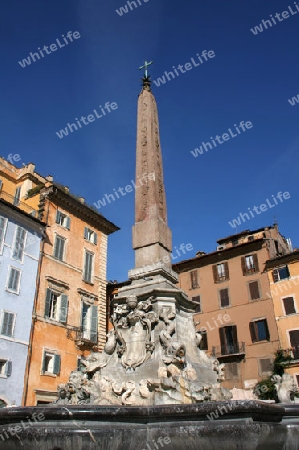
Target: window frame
193,276
253,329
88,231
8,289
198,302
61,313
91,332
249,292
294,304
250,270
91,280
66,220
276,274
56,362
3,311
228,295
7,366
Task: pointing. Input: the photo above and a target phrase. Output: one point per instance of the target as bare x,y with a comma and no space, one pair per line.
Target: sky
250,78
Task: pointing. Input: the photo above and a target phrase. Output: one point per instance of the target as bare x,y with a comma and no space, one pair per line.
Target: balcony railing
86,339
23,206
238,348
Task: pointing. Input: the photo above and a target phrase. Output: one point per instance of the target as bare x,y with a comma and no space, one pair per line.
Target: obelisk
152,240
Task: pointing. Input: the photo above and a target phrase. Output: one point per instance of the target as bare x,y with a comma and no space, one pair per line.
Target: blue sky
251,78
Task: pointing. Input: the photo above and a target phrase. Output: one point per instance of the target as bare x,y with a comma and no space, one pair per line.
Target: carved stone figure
284,386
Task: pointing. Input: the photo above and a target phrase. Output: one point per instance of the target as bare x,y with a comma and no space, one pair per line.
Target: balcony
86,339
23,206
234,351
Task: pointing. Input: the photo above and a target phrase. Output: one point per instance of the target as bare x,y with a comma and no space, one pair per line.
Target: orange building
234,311
69,315
283,273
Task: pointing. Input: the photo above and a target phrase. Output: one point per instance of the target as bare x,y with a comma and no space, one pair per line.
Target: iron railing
238,348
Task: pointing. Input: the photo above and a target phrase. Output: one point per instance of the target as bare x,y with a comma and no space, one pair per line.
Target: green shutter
16,200
68,222
63,308
95,238
85,233
58,215
56,366
44,362
48,302
94,324
88,266
2,230
19,243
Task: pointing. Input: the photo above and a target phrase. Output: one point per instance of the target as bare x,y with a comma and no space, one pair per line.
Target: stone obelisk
151,235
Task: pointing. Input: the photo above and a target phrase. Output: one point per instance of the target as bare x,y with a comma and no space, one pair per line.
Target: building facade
20,238
283,273
234,311
69,311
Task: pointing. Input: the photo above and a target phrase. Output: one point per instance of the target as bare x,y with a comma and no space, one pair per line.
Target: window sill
262,341
87,240
88,282
49,374
12,292
3,376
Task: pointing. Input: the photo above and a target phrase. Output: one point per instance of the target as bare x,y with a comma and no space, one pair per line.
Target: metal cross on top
146,64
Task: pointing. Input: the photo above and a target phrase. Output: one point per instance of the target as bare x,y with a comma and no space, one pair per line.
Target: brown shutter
289,305
254,290
224,297
256,263
235,338
215,273
253,332
294,338
222,340
226,270
204,342
243,265
194,280
267,330
275,275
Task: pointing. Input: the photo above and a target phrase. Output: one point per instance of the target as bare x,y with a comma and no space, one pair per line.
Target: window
294,339
13,282
63,220
194,279
224,297
204,341
289,305
59,247
5,368
3,225
254,291
51,363
231,371
266,366
19,244
16,200
249,264
89,322
88,266
90,235
229,340
280,274
259,330
220,272
56,306
198,306
7,323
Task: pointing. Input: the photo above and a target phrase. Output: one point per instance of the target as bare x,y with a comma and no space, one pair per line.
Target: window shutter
56,366
235,338
94,324
224,297
226,270
256,263
63,308
88,266
19,243
254,290
44,362
68,222
85,233
16,200
2,230
253,332
289,305
48,302
222,340
275,275
204,342
243,265
267,330
198,306
287,272
194,280
215,273
1,182
58,215
8,368
95,238
294,338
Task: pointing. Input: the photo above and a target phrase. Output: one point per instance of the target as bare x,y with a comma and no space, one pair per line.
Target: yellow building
283,273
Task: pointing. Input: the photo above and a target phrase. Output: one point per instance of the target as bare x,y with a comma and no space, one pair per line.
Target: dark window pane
289,305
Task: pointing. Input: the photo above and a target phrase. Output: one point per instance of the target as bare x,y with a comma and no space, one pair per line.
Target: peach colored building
283,273
69,314
234,312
